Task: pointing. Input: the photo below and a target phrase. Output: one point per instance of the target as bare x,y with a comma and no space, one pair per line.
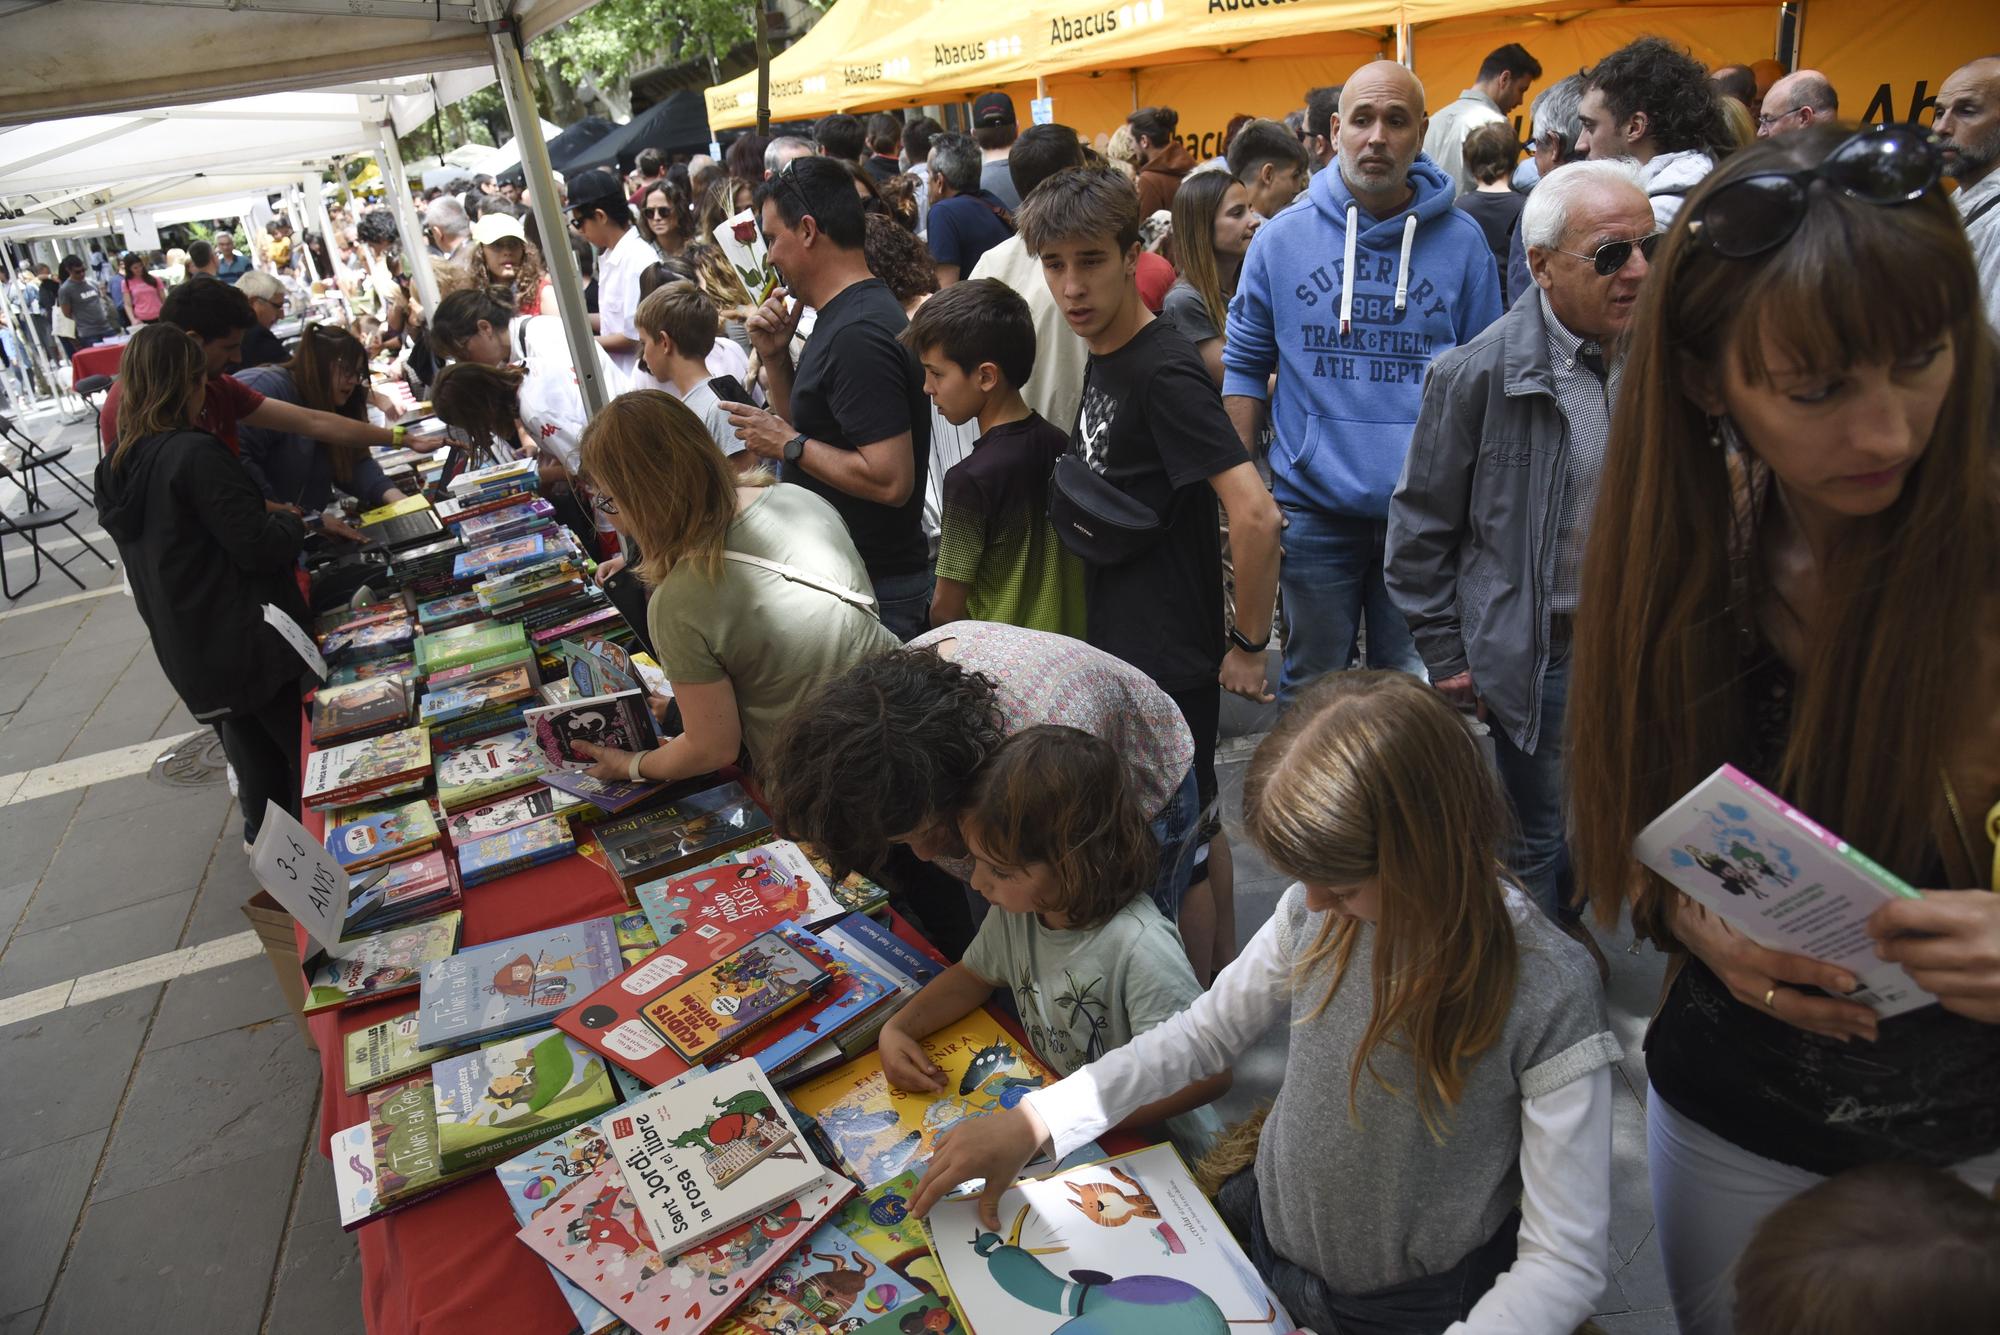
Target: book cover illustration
353,1154
873,946
1134,1233
828,1285
384,1052
514,983
408,889
824,901
496,558
534,1178
351,618
713,1010
636,939
381,964
355,768
370,641
597,666
528,845
509,812
705,1156
365,838
403,1131
879,1220
1782,880
374,703
608,795
443,613
488,769
878,1131
476,694
512,1093
622,721
348,673
724,894
925,1316
593,1232
683,834
851,996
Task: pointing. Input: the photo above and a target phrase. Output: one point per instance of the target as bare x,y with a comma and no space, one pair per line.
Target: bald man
1351,344
1795,102
1968,120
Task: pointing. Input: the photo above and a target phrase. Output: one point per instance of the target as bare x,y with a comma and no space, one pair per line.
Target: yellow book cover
878,1131
409,505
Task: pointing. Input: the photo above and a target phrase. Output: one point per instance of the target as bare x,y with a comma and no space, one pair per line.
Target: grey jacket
1472,525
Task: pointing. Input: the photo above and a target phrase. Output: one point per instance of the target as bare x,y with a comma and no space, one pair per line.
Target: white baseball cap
493,227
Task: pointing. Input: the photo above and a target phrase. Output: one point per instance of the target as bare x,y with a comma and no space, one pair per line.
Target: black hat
598,188
992,109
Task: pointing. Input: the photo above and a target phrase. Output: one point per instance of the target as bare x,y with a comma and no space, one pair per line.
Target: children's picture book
414,888
705,1156
384,1052
597,666
728,892
1782,880
829,1284
359,709
713,1010
520,809
925,1316
478,693
534,1178
382,964
369,836
510,851
516,983
878,1131
403,1128
350,772
1156,1255
876,948
827,899
593,1233
679,835
472,774
353,1155
493,1100
350,618
879,1219
621,721
610,796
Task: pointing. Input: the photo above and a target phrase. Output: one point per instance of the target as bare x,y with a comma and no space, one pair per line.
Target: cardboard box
277,929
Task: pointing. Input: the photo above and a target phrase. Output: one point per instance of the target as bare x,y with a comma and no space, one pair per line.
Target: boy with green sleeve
998,557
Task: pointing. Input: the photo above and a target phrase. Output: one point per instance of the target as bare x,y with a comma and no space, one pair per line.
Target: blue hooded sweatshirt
1350,311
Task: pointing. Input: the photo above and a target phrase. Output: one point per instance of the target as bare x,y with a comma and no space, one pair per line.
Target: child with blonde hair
1063,853
1440,1147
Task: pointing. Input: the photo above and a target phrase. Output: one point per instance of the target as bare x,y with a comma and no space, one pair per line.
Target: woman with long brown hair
1213,224
1795,568
328,373
664,210
208,562
757,591
1440,1148
502,254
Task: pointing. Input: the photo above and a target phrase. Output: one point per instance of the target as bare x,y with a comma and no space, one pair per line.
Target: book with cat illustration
1157,1255
491,1101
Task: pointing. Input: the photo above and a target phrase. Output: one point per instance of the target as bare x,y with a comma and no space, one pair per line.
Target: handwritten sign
295,637
301,875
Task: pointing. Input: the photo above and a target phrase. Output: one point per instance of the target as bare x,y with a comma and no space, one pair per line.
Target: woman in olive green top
757,591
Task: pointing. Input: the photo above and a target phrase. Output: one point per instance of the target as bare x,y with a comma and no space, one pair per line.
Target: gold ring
1769,1002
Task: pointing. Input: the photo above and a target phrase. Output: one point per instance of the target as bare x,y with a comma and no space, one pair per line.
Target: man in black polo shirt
850,421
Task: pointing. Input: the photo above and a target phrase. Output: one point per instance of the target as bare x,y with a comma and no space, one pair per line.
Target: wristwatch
1237,638
795,447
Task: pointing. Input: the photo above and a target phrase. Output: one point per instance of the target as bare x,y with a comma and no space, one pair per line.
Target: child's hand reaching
906,1063
995,1147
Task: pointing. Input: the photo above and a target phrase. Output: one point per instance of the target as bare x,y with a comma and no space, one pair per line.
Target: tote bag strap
864,601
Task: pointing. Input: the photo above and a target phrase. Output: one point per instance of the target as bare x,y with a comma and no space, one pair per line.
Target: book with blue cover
367,836
517,983
499,557
512,850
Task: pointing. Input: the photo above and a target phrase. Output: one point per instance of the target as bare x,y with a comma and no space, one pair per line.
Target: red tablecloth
103,359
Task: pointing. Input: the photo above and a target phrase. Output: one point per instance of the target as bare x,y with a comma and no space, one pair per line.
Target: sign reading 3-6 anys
301,875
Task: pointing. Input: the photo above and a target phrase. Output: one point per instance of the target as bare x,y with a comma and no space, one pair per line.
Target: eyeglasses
1612,256
1767,120
1883,165
603,504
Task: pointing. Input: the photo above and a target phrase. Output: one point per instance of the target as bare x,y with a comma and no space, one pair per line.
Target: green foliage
616,37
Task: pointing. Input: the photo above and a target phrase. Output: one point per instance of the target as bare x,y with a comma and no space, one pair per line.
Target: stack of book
515,519
368,835
522,808
381,964
425,572
476,642
512,478
386,766
410,522
475,774
413,888
453,609
358,709
678,835
522,982
382,630
498,558
466,703
516,849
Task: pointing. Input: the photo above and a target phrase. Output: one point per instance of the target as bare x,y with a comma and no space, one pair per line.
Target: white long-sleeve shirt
1563,1125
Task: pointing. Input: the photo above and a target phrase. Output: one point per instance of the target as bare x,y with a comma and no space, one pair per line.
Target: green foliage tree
613,38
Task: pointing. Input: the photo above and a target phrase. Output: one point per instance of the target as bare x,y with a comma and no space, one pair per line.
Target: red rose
745,231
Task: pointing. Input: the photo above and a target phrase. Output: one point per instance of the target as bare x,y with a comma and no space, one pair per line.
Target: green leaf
553,1068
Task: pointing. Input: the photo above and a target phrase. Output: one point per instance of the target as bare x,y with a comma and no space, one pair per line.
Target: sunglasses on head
1882,165
1612,256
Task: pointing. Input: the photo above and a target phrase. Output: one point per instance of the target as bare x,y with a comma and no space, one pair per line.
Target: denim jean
1331,578
1539,851
904,602
1175,829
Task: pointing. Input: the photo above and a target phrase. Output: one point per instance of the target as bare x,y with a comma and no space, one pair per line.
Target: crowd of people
1619,453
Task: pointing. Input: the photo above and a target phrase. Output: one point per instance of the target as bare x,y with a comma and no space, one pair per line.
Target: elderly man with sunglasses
1487,526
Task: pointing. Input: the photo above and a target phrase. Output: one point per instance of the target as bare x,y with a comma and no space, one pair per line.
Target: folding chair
86,389
29,525
46,456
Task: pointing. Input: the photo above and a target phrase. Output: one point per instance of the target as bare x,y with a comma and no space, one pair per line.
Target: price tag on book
295,637
301,875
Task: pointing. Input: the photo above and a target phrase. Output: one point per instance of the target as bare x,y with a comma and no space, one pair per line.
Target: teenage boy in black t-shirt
850,421
1152,424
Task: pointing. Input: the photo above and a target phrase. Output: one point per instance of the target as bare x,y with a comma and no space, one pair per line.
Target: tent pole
551,219
316,209
763,71
416,256
28,335
296,206
1404,55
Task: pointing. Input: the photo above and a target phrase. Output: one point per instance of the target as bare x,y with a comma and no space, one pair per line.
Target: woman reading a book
757,592
1440,1147
1793,569
210,564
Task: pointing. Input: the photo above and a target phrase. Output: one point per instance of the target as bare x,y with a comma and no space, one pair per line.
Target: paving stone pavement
157,1147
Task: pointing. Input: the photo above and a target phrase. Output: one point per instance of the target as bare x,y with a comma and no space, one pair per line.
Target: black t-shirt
855,385
1496,215
1152,423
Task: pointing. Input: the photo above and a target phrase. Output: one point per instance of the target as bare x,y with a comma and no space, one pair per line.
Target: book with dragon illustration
516,983
705,1156
878,1131
367,836
730,891
592,1232
381,964
498,1098
829,1284
385,1051
714,1010
1135,1232
1782,880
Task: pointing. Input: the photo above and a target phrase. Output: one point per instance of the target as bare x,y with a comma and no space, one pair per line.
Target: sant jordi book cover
1156,1255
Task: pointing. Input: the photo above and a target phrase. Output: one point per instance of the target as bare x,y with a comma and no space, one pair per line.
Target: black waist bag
1099,523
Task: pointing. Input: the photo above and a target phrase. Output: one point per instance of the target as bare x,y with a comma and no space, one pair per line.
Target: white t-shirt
551,404
701,401
725,358
618,271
